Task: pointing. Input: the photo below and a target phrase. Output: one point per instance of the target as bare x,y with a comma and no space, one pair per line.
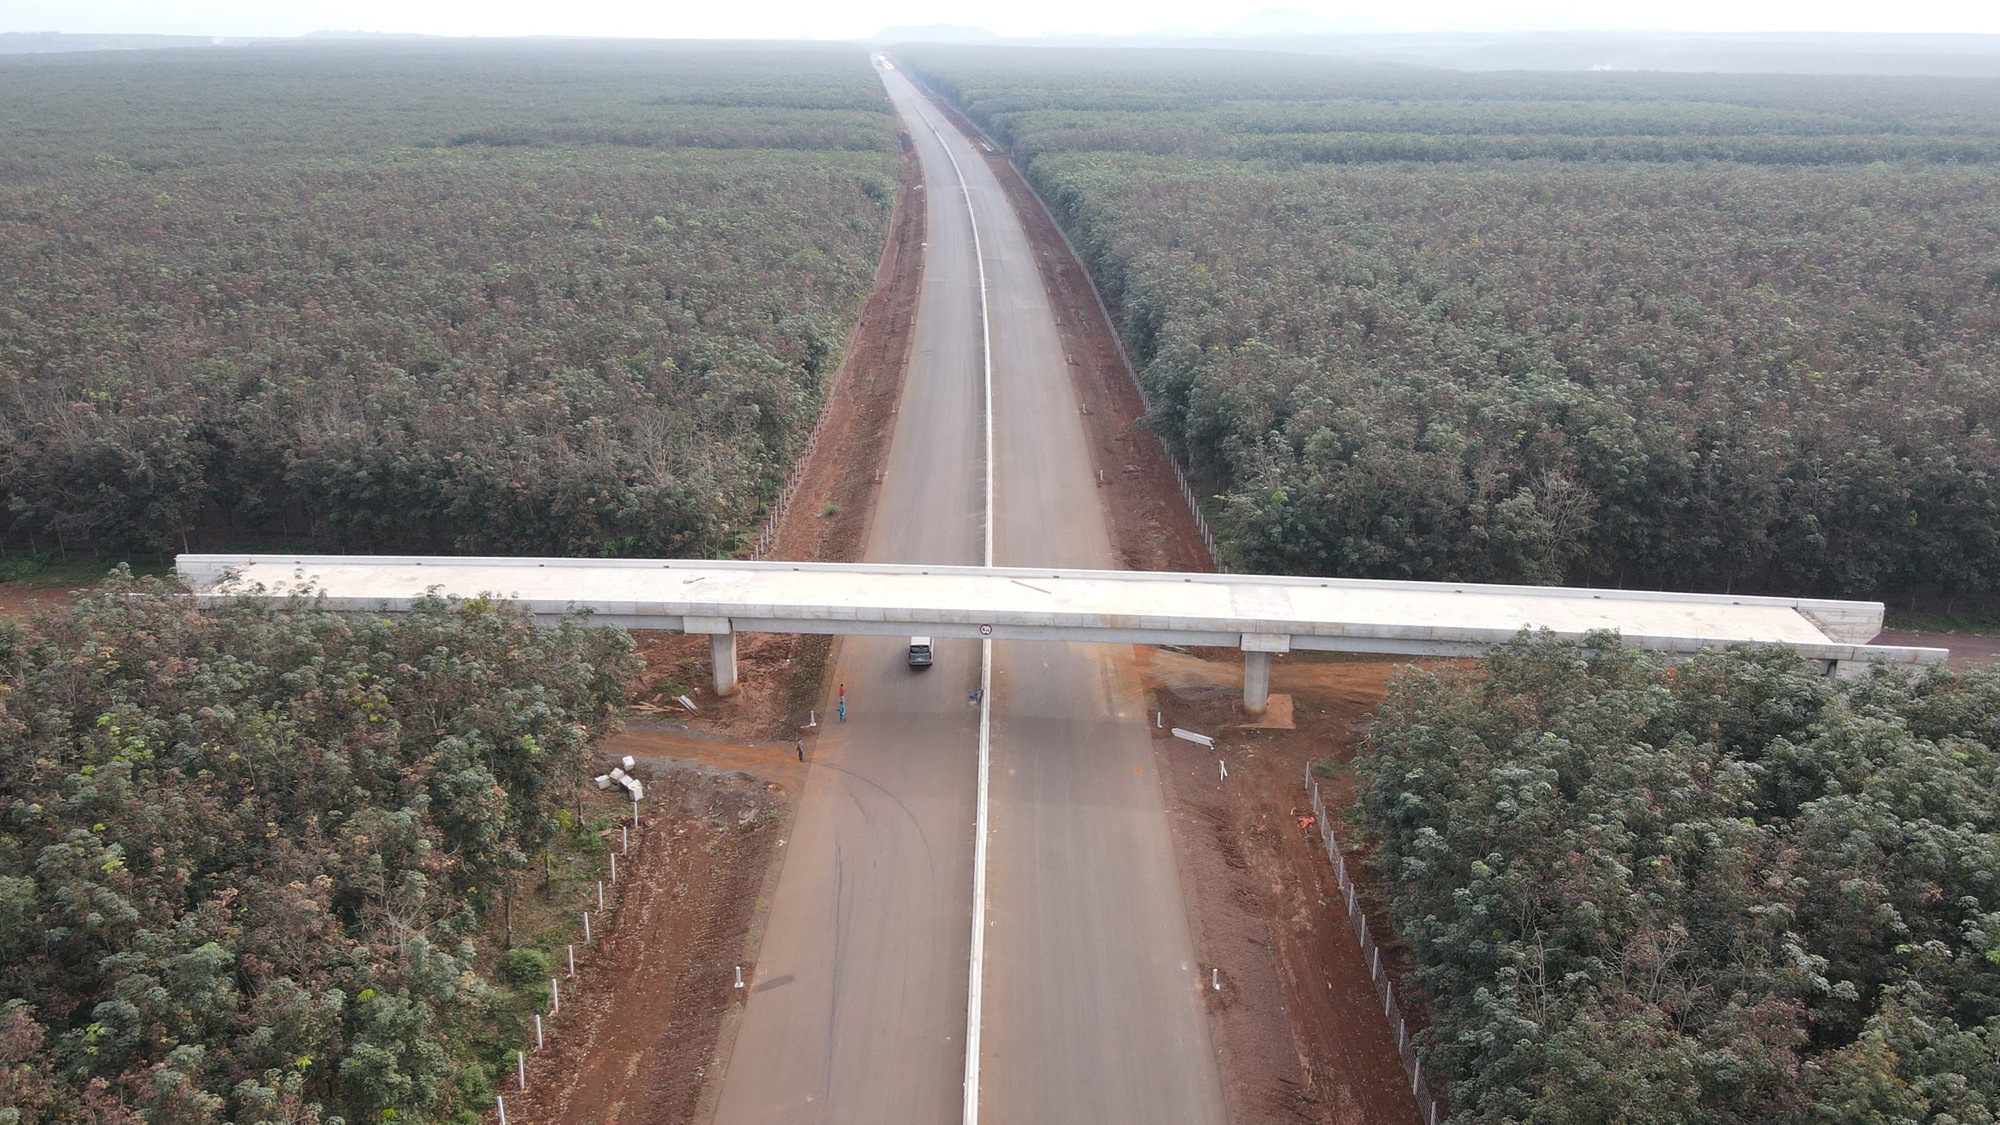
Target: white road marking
976,967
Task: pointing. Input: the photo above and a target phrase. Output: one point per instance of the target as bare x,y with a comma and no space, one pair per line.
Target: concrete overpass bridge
1259,614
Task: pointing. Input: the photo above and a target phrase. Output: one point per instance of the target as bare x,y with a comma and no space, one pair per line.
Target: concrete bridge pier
1257,651
721,650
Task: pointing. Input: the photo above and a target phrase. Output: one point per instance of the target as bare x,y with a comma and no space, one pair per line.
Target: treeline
552,299
280,104
245,849
1194,102
1730,890
1695,338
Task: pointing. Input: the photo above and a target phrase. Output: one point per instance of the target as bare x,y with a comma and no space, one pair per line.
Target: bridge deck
1260,613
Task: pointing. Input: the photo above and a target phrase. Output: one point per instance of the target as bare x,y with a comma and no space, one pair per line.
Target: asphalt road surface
1092,1009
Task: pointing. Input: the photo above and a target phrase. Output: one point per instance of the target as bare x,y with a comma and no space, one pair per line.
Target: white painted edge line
985,330
976,972
976,961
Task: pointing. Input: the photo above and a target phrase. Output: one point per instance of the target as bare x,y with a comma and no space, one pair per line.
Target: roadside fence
1200,521
776,515
1385,989
543,1030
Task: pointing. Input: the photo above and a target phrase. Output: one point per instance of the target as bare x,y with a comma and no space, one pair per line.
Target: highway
1091,1010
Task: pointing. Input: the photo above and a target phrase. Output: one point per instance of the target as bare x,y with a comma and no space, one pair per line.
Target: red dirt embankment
1296,1020
634,1037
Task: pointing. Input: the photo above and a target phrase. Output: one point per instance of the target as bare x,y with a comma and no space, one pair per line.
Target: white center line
976,969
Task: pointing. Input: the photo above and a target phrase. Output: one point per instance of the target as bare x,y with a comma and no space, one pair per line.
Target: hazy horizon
796,19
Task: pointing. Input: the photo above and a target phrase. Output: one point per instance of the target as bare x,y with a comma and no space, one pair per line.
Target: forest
557,298
1715,332
261,863
244,851
1729,890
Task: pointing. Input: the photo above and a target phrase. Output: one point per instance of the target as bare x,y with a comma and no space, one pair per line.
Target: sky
853,19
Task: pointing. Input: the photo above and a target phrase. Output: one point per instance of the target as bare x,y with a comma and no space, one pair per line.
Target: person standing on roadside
800,746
